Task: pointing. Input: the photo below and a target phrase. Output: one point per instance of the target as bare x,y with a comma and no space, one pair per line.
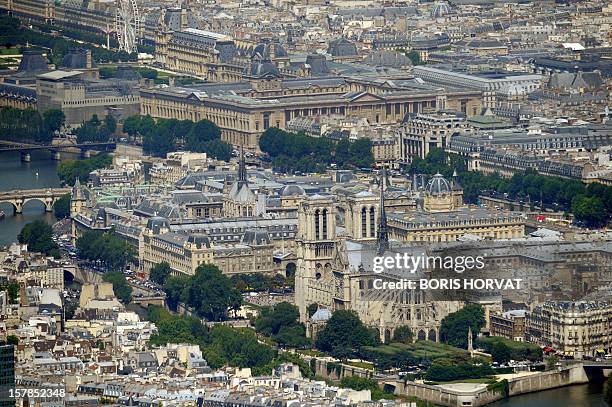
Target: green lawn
9,51
363,365
483,380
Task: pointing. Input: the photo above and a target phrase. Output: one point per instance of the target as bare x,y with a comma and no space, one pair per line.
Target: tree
204,137
590,210
360,153
454,327
131,126
111,123
501,353
111,250
12,288
94,130
551,361
343,334
608,391
444,369
69,170
38,235
209,292
218,149
158,142
54,120
175,288
61,209
12,340
342,154
403,334
121,288
281,323
160,272
203,131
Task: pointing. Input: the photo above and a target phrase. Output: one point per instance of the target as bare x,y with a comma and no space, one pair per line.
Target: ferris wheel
127,25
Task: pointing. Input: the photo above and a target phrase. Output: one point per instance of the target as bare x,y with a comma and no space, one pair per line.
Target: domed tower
440,9
316,252
441,196
291,195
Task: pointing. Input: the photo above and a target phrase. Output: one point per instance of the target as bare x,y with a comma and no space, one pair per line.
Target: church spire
242,172
382,235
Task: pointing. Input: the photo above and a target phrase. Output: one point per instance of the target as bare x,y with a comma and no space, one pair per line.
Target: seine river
588,395
41,173
14,174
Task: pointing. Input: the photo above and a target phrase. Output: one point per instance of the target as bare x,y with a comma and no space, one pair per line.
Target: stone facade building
577,329
243,110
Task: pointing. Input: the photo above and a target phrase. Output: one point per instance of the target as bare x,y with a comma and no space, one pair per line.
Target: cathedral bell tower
316,252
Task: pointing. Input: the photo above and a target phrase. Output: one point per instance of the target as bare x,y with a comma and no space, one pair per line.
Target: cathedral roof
241,193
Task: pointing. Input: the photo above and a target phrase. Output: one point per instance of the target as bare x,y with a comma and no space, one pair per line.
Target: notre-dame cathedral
335,268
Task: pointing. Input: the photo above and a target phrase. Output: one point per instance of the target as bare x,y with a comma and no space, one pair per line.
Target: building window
324,223
266,122
317,224
372,225
364,223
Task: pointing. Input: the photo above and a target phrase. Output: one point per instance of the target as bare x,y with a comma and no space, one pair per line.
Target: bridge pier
85,153
55,155
48,205
26,157
18,205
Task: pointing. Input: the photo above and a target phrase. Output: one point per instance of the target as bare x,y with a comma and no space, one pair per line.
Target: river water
41,172
588,395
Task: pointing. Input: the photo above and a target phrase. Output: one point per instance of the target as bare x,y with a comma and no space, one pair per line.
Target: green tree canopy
209,292
297,152
281,323
343,334
403,334
160,273
95,130
106,247
69,170
61,209
121,288
54,120
360,153
454,327
38,235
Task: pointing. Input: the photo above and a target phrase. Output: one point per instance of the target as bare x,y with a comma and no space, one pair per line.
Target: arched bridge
18,198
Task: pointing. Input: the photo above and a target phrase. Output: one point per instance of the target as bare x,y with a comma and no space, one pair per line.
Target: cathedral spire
382,235
242,172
